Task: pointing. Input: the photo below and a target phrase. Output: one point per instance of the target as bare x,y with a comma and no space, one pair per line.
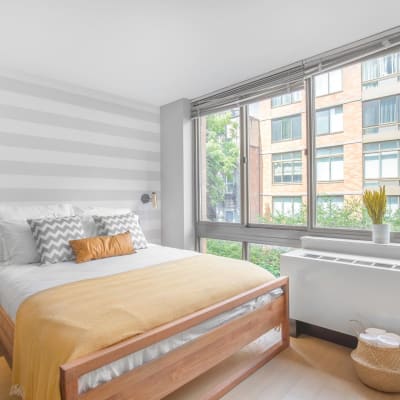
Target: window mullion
310,129
244,195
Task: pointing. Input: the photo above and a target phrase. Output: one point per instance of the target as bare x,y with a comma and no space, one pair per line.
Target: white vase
381,233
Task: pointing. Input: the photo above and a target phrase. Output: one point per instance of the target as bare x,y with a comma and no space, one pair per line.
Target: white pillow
19,242
86,213
24,212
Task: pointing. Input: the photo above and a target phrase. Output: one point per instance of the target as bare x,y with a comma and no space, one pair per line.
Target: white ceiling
158,51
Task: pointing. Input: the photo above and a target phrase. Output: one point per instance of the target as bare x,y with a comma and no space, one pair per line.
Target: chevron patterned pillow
52,236
116,224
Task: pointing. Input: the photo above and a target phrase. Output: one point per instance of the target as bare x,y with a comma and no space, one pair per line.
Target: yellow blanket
66,322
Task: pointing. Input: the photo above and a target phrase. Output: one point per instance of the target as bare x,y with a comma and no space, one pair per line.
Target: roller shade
278,81
290,78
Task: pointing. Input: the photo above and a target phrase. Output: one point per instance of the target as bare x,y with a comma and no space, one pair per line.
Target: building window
287,128
381,160
329,164
286,206
329,120
393,205
329,82
378,68
330,203
285,99
380,112
287,167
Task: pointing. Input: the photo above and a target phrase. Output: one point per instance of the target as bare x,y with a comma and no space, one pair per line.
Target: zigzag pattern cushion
116,224
52,236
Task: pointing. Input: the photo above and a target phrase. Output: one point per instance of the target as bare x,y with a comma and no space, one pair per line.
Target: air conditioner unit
333,281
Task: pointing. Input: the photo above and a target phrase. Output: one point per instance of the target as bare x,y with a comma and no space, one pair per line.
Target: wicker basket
377,367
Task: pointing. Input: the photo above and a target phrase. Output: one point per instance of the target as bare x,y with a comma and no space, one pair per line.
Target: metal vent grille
352,260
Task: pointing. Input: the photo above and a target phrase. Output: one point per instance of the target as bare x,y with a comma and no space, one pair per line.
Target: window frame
329,157
282,161
379,114
272,234
292,99
328,74
287,117
329,110
292,198
379,152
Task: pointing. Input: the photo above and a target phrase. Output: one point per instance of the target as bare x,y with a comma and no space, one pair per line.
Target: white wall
79,146
177,175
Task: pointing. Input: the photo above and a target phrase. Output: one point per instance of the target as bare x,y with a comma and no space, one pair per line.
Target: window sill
328,94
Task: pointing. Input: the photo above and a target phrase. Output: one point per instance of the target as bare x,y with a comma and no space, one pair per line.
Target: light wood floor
311,369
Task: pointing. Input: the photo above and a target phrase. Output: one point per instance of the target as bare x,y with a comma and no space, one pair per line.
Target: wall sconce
147,198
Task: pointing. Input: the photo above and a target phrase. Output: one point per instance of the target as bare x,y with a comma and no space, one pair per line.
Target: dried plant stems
375,203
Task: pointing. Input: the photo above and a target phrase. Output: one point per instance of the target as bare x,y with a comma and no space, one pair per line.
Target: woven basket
377,367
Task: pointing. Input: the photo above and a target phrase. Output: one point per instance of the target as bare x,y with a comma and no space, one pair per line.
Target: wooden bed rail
159,377
6,336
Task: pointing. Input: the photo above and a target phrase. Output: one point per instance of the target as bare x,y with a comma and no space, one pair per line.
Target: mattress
18,282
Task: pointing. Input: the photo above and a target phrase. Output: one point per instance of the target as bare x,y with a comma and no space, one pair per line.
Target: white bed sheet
18,282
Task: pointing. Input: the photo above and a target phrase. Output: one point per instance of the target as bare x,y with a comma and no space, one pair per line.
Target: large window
256,184
379,68
330,164
330,82
380,112
286,99
220,172
381,160
287,167
287,128
329,120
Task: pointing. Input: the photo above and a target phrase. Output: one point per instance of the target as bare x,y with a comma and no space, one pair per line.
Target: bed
157,362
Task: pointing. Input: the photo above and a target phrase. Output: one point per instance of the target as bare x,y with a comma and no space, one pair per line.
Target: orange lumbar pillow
102,246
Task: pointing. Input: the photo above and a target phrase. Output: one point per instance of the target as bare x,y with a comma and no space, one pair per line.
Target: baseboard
298,328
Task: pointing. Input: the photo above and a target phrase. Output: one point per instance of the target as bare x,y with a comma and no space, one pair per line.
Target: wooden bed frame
158,378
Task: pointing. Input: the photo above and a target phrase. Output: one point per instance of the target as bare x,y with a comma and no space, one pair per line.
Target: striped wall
59,143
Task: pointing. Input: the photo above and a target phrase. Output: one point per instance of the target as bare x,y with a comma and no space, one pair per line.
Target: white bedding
18,282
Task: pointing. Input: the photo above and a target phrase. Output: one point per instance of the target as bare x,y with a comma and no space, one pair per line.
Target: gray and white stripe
80,146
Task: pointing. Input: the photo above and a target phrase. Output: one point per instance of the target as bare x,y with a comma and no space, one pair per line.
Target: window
271,171
267,257
265,161
380,112
224,248
286,206
330,163
380,67
393,205
287,167
330,202
288,128
220,169
285,99
381,160
329,120
329,82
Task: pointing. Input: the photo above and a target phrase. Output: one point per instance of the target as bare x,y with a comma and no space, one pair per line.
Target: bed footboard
158,378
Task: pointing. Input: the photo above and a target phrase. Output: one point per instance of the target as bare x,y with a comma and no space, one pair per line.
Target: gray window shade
291,78
277,82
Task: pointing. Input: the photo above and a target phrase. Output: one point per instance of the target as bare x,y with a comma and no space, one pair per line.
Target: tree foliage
222,154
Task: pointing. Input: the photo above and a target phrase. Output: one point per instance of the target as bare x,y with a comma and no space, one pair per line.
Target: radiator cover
333,281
